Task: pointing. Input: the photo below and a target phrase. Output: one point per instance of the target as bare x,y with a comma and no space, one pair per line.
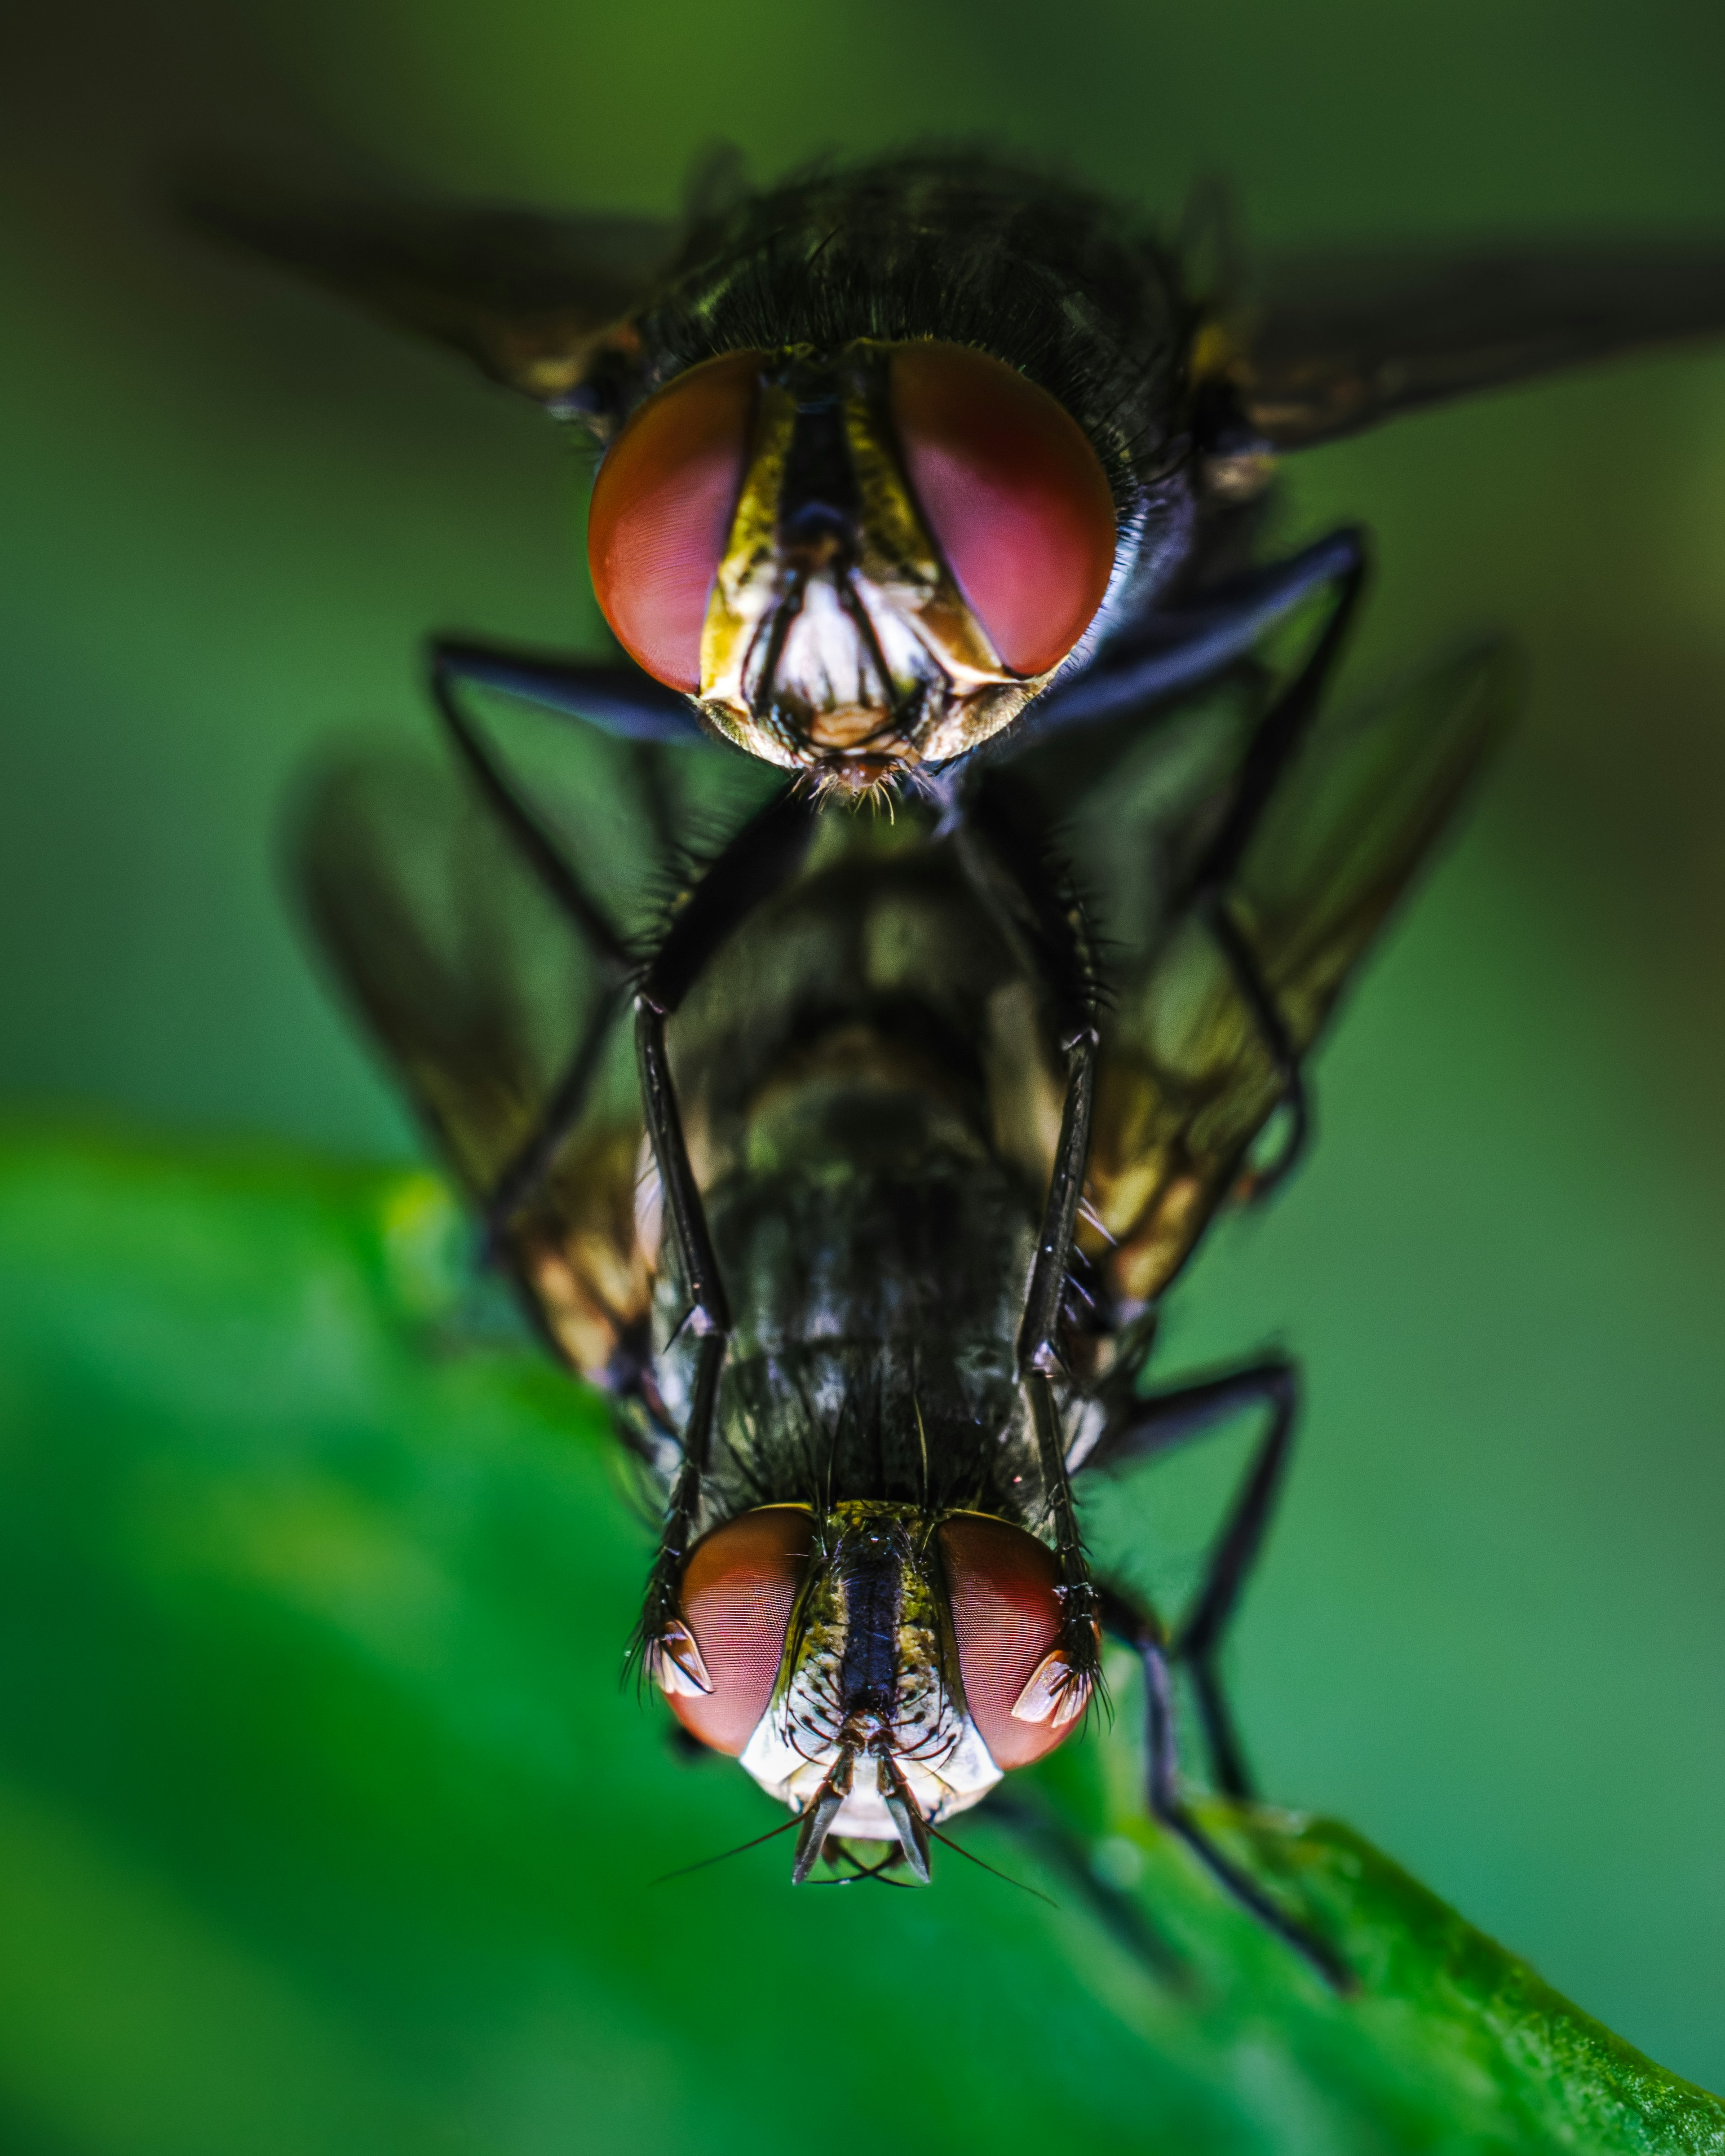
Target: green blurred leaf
326,1826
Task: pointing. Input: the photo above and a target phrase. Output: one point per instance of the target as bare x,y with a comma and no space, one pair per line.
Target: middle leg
1160,1423
1142,1631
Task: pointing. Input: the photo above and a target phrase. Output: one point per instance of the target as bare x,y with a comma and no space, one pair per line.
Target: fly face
875,1668
857,560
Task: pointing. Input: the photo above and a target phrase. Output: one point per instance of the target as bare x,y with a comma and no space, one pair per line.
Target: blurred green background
1491,1629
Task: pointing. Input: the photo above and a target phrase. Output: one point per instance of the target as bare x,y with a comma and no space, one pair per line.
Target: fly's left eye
661,512
739,1589
1010,487
1007,1614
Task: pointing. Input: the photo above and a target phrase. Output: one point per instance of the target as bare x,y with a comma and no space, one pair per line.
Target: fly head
858,561
877,1667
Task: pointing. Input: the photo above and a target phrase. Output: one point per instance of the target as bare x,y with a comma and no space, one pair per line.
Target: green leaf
326,1826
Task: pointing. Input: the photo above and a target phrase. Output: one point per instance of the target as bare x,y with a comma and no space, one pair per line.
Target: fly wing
481,996
531,298
500,1005
1186,1082
1335,343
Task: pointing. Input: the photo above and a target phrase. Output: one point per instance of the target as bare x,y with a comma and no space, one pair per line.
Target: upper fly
896,456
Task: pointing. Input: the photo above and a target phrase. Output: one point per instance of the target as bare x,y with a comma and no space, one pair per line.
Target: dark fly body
899,456
855,1163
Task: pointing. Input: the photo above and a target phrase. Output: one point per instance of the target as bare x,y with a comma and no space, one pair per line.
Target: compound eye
739,1589
661,512
1010,487
1007,1618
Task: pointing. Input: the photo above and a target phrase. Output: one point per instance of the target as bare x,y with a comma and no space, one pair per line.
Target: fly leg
1257,1182
539,849
1279,735
668,1649
1051,929
1068,1852
763,855
525,1173
522,1175
1168,650
1141,1630
1160,1423
726,891
620,698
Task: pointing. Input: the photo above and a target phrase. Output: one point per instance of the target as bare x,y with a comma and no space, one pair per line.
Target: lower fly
856,1175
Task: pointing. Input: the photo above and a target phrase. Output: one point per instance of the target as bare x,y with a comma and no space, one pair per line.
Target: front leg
1074,1669
1149,661
710,1311
763,856
616,696
669,1650
1047,927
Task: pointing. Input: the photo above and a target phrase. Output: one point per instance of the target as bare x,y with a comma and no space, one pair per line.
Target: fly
897,456
855,1164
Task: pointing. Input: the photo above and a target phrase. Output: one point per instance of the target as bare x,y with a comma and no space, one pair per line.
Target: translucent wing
501,1008
532,298
1335,343
1186,1080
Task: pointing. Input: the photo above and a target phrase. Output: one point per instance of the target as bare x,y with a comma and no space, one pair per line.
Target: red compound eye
1007,1616
739,1589
661,511
1014,494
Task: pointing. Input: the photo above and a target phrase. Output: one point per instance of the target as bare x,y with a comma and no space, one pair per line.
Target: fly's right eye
738,1591
661,512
